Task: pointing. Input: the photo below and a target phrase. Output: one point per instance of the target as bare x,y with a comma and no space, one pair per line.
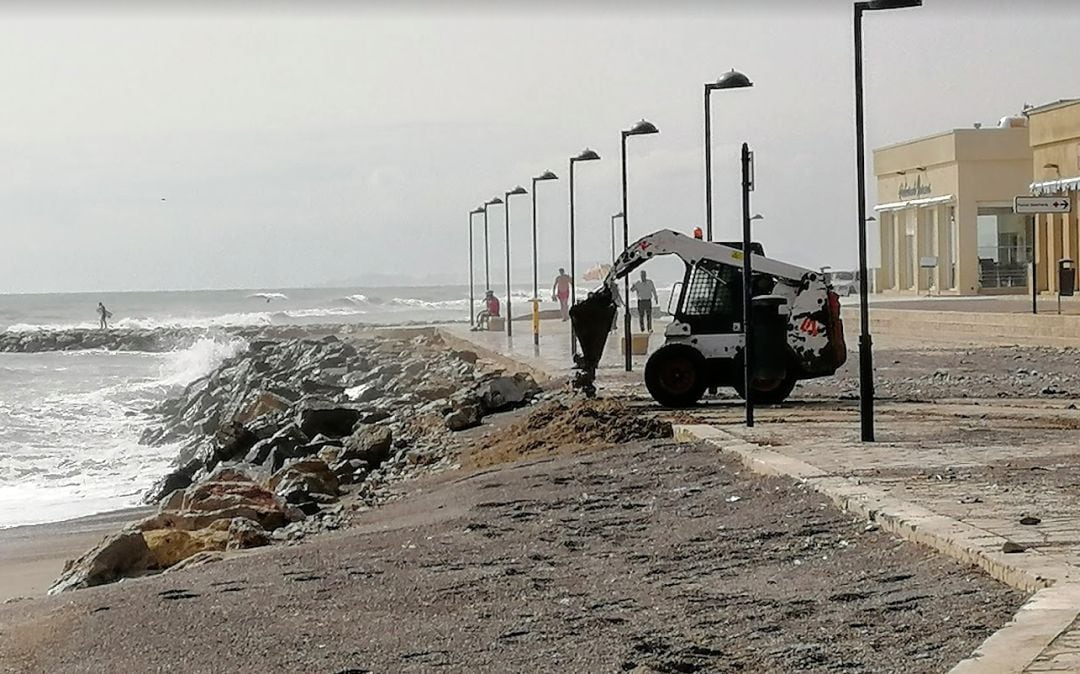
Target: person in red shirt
491,308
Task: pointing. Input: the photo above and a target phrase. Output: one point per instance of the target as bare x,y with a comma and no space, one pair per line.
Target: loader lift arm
692,251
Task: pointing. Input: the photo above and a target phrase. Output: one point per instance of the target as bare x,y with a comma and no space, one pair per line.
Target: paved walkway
964,477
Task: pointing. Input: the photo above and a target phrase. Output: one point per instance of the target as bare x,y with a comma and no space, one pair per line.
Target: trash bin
769,366
1066,277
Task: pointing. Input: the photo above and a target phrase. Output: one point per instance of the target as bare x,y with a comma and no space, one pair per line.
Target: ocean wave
185,366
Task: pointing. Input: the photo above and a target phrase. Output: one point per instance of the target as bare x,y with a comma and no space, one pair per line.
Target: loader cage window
710,290
711,301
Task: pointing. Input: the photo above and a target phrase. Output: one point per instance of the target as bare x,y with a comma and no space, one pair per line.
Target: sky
198,145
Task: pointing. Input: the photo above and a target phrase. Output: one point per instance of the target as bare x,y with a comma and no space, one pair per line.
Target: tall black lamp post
487,249
506,211
546,175
642,128
585,155
747,159
729,80
472,295
614,254
866,356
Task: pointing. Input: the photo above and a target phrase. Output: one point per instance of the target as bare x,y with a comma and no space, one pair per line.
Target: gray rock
326,418
245,533
463,417
503,393
369,443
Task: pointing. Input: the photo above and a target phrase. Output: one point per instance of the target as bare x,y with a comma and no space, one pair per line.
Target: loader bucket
591,321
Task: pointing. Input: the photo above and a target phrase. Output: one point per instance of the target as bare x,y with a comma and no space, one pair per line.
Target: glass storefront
1004,248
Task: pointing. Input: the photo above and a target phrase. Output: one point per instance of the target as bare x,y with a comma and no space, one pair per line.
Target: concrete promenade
988,482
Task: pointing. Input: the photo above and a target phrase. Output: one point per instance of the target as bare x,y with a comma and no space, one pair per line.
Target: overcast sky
197,148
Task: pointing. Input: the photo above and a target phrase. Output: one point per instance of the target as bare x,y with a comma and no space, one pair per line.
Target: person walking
645,290
561,291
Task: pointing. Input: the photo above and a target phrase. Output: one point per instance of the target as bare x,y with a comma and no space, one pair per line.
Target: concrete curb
1051,610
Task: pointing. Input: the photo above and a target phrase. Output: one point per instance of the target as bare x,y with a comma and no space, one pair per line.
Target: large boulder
168,484
325,418
264,403
503,392
369,443
171,546
190,520
463,417
305,483
117,556
231,440
244,533
284,441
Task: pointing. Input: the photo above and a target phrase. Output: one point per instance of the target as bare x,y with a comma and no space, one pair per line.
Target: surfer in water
105,315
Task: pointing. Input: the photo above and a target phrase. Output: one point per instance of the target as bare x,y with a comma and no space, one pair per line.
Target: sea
70,421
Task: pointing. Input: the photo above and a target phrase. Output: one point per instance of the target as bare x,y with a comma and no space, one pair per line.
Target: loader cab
710,301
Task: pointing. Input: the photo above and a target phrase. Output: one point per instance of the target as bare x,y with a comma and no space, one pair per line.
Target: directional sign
1042,205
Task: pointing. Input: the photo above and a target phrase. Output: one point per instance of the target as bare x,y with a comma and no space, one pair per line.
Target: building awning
901,205
1055,186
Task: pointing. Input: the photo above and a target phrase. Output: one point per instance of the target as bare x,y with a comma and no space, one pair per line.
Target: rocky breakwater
276,437
155,340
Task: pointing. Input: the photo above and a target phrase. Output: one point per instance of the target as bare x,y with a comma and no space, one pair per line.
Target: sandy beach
32,557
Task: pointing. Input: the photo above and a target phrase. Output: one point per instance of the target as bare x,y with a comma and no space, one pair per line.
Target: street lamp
614,255
866,357
472,298
642,128
546,175
506,211
487,250
585,155
729,80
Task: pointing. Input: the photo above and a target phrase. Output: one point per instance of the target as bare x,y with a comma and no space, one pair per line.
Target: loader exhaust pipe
591,320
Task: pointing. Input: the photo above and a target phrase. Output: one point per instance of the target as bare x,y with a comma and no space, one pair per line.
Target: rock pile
274,435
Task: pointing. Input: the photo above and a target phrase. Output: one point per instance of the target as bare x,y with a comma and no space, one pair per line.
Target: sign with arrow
1027,204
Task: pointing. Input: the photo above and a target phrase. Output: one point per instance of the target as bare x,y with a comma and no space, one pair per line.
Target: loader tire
675,376
773,396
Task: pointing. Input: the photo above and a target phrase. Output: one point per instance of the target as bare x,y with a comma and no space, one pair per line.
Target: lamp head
758,216
642,128
477,211
517,190
546,175
892,4
586,155
494,201
732,79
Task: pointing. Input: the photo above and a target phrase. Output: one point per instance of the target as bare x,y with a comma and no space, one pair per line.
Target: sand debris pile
559,428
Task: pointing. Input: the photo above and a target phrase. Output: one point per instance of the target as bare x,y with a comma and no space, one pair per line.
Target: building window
1004,249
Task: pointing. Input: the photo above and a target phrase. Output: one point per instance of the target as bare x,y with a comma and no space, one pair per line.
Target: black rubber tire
773,396
676,375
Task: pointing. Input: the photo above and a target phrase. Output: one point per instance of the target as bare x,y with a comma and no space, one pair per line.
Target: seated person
491,308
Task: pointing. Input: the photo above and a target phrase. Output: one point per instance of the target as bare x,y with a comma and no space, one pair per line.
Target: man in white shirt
646,293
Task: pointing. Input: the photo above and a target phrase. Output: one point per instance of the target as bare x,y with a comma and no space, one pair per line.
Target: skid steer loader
704,342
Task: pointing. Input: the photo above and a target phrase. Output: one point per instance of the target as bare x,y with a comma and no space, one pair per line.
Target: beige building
945,211
1055,144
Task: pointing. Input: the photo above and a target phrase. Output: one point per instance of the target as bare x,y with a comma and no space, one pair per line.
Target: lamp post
642,128
585,155
506,212
472,297
614,255
729,80
866,362
487,249
546,175
747,159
